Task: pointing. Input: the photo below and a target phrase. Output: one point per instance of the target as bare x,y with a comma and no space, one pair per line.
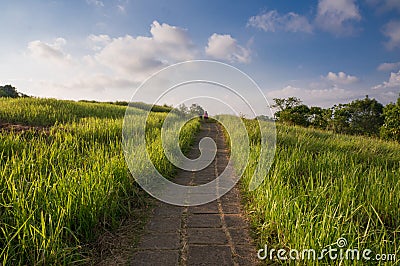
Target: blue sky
323,51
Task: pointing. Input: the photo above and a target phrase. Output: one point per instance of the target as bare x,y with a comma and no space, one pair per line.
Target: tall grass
46,112
59,188
323,186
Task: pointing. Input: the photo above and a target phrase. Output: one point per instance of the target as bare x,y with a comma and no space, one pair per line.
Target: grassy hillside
323,186
46,112
61,186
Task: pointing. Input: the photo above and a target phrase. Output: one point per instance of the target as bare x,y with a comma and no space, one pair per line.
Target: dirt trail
212,234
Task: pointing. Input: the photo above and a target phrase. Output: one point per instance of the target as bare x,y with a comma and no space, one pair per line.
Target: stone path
215,233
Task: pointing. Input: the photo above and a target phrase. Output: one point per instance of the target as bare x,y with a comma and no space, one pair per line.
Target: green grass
47,112
323,186
60,189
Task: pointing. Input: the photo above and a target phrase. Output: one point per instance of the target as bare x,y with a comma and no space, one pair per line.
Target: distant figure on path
205,115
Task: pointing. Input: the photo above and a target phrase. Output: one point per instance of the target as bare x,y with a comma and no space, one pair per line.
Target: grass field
66,180
323,186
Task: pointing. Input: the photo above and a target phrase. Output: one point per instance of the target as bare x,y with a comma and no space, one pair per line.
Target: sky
323,51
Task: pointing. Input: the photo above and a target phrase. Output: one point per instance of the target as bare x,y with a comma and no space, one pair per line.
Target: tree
358,117
283,105
340,121
299,115
196,110
9,91
182,110
264,118
391,126
319,117
363,117
366,116
193,110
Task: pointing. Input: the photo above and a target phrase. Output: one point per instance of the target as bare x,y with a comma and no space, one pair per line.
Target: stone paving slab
168,210
206,236
164,224
155,258
156,241
204,221
211,207
209,255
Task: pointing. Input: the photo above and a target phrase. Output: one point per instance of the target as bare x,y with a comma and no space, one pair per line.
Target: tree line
360,117
9,91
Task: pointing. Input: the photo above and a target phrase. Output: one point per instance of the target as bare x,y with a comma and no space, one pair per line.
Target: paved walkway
215,233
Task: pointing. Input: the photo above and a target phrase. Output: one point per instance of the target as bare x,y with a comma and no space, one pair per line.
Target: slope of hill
63,186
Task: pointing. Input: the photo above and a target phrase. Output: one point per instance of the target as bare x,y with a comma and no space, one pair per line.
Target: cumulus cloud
97,42
337,16
49,51
121,62
224,47
101,38
393,82
389,66
341,78
141,56
392,31
273,21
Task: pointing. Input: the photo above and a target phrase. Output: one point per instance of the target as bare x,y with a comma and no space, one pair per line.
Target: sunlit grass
58,187
323,186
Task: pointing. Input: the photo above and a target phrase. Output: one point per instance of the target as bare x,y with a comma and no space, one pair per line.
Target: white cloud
114,63
389,66
393,82
141,56
102,38
97,3
121,8
319,97
392,31
224,47
337,16
49,51
385,5
172,35
392,4
287,91
273,21
97,42
101,81
341,78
